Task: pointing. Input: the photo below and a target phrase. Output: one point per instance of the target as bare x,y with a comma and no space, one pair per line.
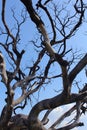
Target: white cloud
56,113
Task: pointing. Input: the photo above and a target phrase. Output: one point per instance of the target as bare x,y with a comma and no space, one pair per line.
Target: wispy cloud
56,113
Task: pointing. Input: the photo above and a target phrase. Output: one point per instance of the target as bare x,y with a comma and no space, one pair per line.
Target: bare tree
30,77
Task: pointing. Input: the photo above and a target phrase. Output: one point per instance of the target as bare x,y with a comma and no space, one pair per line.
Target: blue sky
78,42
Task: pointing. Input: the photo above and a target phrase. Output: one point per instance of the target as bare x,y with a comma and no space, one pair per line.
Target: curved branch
45,119
82,63
76,26
40,25
39,4
3,19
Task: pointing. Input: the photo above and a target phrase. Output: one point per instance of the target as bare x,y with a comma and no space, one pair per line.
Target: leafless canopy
55,25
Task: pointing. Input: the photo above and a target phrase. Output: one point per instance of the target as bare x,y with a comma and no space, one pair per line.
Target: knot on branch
60,60
80,124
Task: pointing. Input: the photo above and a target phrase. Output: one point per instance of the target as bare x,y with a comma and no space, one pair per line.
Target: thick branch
36,19
82,63
58,100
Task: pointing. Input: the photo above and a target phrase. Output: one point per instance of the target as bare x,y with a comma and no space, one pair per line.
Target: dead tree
55,52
